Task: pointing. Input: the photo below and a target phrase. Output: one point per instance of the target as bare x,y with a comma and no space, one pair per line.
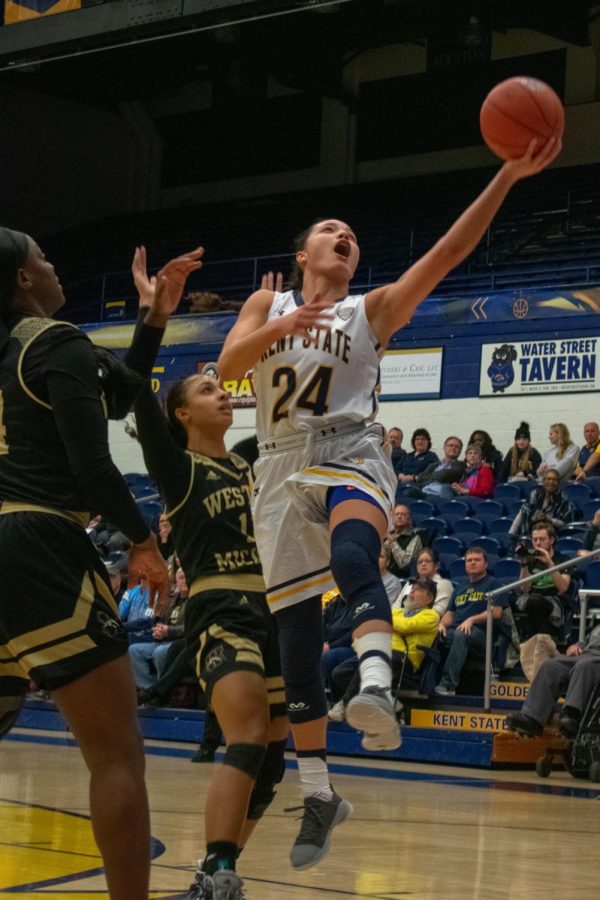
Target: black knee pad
270,774
247,758
10,707
301,648
355,547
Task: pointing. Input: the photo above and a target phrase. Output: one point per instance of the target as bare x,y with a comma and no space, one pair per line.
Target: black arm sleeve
144,348
74,394
167,462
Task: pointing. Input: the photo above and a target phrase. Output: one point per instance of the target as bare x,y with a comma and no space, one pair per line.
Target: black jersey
54,453
208,503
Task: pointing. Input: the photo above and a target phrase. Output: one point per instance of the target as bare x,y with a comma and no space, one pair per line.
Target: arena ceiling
135,50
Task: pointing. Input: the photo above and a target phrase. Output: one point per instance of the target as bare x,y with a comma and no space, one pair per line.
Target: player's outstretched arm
392,306
254,333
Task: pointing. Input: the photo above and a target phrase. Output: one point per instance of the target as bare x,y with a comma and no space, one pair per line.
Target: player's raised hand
535,159
171,279
272,282
146,287
310,315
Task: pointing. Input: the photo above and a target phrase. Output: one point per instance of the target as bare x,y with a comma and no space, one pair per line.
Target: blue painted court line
366,771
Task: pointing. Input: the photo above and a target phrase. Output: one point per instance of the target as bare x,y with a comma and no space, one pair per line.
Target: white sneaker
443,691
372,712
337,713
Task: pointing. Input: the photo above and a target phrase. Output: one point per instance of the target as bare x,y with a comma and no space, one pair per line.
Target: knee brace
271,773
247,758
355,548
301,647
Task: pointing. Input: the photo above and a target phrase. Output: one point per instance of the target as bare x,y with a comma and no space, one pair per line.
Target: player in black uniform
230,633
58,620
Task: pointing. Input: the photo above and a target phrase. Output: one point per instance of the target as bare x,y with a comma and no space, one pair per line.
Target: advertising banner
539,367
411,374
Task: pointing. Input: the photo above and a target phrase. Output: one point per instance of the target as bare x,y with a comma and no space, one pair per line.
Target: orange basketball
518,110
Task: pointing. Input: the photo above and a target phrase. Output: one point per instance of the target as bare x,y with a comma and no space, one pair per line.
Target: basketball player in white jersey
324,481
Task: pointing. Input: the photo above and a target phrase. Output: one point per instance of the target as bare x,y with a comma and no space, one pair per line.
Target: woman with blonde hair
522,460
561,455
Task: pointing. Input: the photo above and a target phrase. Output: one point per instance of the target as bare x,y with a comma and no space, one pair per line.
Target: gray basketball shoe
373,713
319,819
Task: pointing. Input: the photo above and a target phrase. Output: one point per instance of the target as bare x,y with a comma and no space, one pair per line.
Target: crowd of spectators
517,536
436,601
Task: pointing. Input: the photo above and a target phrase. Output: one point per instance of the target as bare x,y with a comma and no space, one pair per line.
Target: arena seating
534,240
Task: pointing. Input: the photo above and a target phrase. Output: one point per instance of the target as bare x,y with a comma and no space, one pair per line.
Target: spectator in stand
546,503
443,472
402,543
149,659
414,624
117,570
337,629
395,438
421,456
561,455
489,454
448,471
589,455
428,565
478,478
577,672
463,624
522,460
136,610
542,601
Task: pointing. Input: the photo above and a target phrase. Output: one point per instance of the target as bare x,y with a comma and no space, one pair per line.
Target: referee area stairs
445,730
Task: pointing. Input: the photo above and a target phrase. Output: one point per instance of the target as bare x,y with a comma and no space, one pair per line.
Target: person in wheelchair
578,672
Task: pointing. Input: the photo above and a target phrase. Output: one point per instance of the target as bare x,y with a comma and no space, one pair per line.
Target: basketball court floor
421,832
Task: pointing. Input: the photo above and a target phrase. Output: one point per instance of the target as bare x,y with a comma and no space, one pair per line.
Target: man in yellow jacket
416,623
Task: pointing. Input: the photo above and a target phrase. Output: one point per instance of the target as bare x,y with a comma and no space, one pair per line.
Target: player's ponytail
14,248
296,279
176,399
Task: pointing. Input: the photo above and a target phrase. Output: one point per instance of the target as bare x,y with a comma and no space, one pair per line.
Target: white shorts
292,477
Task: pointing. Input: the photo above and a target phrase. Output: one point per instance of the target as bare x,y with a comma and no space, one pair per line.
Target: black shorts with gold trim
233,630
58,618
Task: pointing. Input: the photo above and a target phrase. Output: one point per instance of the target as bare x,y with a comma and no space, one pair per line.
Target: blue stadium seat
503,492
472,501
143,490
593,482
488,510
456,569
578,493
451,510
420,509
150,511
589,509
489,544
507,568
512,507
568,546
448,546
500,525
467,526
592,575
433,524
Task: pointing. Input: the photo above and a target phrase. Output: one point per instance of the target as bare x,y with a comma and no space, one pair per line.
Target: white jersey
305,383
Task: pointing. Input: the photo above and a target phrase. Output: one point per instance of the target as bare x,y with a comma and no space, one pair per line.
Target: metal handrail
491,596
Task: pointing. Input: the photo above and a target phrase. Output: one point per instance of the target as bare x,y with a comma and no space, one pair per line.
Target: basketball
518,110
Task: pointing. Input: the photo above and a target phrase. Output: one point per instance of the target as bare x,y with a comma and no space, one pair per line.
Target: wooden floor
418,832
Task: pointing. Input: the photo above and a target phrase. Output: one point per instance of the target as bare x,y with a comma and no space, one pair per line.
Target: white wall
500,416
